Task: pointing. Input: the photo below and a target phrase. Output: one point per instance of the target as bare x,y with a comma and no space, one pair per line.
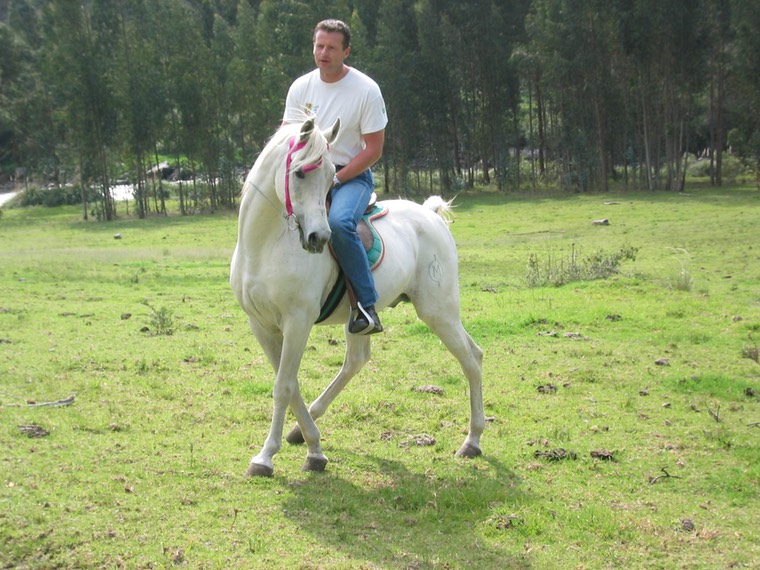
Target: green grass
145,469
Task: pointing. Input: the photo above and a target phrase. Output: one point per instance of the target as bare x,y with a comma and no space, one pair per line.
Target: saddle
373,246
371,239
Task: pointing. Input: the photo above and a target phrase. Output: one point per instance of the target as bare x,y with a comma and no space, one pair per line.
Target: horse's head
308,177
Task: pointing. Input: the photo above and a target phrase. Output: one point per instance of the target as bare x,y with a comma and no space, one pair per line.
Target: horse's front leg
286,393
357,355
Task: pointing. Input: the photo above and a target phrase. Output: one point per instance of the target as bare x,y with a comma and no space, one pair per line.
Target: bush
52,197
732,168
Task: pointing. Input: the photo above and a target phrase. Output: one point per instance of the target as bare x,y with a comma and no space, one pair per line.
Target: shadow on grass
431,518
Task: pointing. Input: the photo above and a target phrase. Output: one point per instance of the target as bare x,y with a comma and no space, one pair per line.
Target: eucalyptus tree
527,62
19,83
79,47
219,157
248,117
575,44
489,32
436,82
397,73
283,32
665,48
187,68
744,137
719,30
140,94
361,44
33,113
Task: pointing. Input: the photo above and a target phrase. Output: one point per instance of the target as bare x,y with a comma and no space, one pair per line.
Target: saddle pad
376,251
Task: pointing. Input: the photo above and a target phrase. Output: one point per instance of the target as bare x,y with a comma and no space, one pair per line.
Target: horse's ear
332,133
306,129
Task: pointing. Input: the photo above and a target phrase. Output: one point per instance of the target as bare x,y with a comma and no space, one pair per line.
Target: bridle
294,147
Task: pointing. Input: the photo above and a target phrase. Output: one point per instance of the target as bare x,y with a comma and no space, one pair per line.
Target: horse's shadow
400,518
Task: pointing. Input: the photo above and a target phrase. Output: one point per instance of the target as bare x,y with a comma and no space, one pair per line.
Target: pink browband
293,147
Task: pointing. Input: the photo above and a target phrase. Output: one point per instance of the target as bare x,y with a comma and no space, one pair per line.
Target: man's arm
373,150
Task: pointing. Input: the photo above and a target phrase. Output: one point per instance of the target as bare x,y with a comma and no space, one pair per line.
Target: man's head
332,40
335,26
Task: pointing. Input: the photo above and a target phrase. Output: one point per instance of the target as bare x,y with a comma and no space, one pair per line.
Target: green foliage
732,168
161,319
51,197
524,94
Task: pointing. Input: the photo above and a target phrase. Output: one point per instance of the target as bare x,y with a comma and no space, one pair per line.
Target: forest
571,95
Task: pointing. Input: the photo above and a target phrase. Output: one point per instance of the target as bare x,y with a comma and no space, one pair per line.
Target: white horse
281,277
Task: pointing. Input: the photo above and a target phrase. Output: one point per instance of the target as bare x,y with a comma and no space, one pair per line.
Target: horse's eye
299,173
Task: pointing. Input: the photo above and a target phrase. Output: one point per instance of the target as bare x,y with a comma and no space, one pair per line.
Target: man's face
328,51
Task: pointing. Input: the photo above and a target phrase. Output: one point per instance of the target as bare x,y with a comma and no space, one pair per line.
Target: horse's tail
440,207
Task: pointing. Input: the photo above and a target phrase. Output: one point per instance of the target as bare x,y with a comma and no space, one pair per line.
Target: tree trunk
602,142
647,153
541,115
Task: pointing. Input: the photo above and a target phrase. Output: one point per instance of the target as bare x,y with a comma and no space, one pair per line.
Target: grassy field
624,412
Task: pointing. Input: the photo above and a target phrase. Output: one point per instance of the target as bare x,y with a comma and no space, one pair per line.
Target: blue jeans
349,201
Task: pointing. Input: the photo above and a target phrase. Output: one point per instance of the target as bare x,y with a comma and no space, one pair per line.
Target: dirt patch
555,454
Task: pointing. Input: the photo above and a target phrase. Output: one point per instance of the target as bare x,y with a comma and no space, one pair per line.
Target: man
335,90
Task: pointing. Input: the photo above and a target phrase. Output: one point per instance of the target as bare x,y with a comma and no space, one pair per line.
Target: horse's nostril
316,241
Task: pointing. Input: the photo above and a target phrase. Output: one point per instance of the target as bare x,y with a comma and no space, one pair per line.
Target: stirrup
371,327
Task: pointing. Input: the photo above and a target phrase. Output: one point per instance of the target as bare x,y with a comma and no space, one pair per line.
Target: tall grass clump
557,271
683,281
751,351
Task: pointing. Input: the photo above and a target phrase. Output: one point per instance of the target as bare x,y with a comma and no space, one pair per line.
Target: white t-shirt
356,100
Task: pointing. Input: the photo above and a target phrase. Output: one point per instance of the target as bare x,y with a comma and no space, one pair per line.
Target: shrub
732,168
52,197
162,320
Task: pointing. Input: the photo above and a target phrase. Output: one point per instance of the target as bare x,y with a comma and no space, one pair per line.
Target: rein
293,148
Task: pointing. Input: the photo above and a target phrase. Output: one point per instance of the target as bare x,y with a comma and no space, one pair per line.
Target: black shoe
364,320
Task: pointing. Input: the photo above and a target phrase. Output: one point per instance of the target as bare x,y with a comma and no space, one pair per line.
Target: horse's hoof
316,464
295,436
258,470
468,450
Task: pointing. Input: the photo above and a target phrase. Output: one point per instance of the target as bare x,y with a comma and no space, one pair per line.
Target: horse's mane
312,153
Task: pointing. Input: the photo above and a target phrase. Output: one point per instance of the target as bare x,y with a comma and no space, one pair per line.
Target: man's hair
335,26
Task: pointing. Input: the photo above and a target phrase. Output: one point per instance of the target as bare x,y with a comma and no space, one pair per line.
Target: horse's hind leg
357,355
450,330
